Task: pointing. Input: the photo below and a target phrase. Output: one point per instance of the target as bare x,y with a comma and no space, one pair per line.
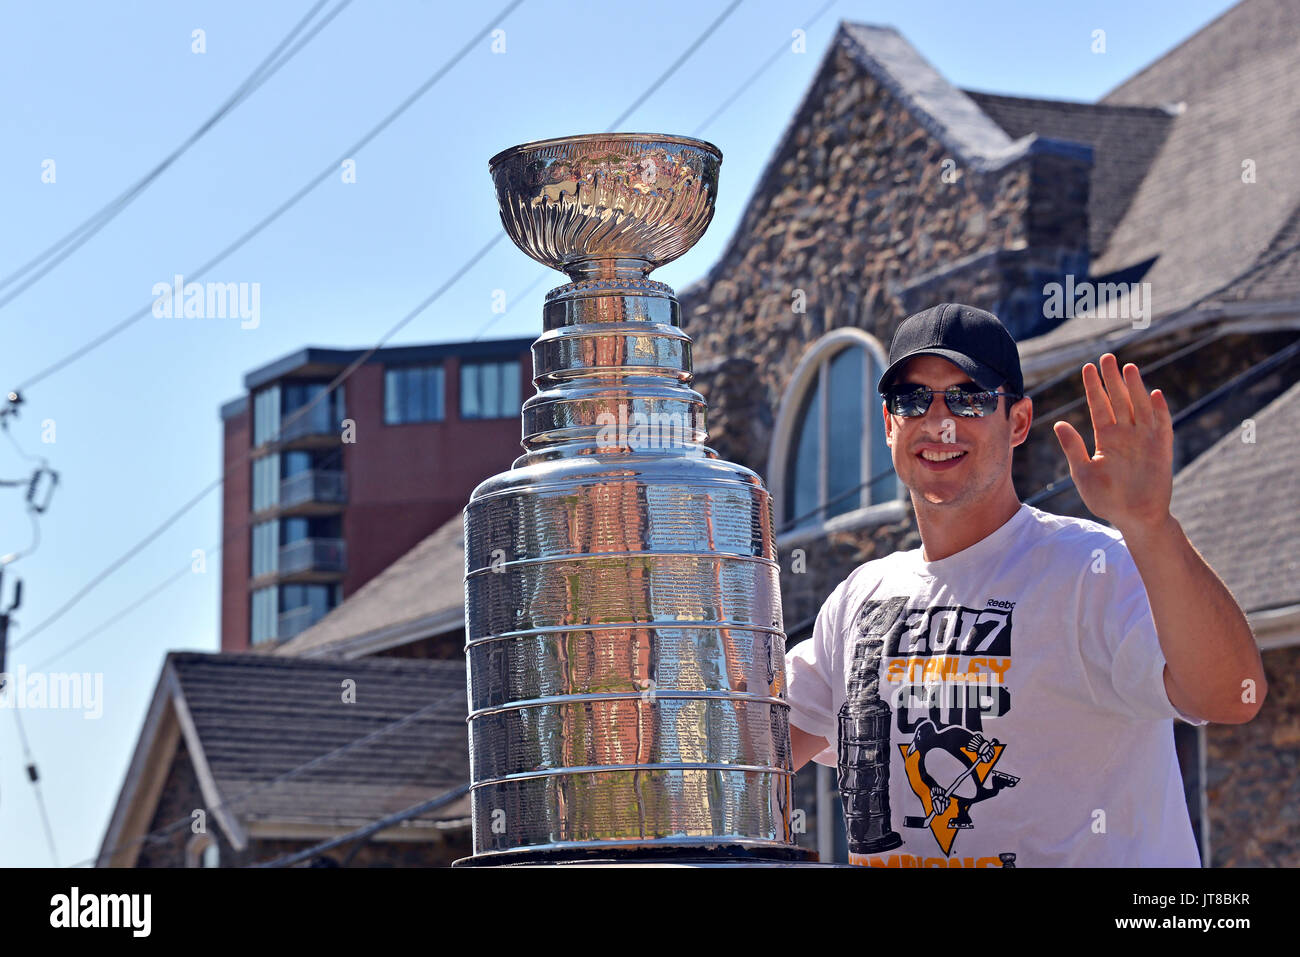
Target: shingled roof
1211,234
248,719
1124,141
1259,559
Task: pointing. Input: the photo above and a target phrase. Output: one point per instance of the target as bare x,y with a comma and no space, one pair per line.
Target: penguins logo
969,755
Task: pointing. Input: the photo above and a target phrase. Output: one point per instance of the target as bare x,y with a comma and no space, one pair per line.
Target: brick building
333,495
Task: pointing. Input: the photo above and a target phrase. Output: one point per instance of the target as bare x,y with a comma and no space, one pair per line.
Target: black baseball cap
973,340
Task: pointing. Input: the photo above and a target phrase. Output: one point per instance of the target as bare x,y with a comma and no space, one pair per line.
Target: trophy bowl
607,205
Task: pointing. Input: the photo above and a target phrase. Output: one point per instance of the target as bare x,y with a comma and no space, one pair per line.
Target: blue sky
106,90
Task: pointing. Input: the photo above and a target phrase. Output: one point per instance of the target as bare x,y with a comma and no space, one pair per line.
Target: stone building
891,190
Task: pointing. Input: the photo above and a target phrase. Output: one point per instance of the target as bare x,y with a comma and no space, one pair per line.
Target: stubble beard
979,488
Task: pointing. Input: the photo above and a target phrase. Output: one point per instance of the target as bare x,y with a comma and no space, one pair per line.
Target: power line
673,68
270,782
187,569
285,206
722,108
74,239
342,376
415,810
294,417
34,776
1147,370
763,68
1054,488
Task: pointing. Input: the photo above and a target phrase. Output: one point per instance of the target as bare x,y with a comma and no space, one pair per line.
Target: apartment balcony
298,620
318,491
313,559
313,430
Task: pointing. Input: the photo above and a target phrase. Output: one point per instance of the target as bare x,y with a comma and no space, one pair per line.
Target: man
1002,695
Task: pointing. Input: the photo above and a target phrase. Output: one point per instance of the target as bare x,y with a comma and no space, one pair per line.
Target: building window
489,390
266,482
266,414
301,606
829,452
413,394
266,547
265,614
277,403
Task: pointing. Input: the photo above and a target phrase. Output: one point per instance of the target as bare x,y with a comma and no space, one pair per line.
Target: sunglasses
913,401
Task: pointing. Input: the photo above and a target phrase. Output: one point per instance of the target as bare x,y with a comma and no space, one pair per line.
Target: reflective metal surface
625,647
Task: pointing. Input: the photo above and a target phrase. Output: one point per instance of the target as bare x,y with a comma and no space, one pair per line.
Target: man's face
946,459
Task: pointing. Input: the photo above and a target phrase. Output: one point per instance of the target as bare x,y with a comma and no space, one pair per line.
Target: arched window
829,455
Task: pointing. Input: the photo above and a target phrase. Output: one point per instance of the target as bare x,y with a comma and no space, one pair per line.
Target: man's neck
946,530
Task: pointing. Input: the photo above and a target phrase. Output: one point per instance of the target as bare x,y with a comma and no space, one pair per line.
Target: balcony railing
298,620
311,424
317,486
313,555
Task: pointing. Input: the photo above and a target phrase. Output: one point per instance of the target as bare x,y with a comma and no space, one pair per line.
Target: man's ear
1022,417
889,425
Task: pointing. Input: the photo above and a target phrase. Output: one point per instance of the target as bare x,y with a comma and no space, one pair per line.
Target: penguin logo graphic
952,756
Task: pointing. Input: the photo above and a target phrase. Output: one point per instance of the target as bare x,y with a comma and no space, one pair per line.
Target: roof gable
266,737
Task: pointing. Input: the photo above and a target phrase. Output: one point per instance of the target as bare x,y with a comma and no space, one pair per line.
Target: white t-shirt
1020,683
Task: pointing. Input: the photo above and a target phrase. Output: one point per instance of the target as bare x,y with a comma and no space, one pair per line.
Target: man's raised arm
1213,668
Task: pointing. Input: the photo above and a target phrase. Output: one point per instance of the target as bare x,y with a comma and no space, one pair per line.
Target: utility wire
73,240
1052,489
270,782
294,417
415,810
674,67
187,569
352,367
284,207
34,776
762,68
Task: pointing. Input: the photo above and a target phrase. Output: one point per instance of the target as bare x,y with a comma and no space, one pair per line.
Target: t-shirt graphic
937,727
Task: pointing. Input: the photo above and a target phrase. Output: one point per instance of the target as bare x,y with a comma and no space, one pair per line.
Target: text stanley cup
623,616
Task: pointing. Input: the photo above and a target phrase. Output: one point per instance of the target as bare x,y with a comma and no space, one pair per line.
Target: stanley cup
623,616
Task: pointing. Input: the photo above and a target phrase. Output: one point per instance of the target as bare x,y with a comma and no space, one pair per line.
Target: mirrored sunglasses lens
910,404
971,404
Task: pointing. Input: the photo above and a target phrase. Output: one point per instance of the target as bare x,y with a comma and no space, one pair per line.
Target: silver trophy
623,616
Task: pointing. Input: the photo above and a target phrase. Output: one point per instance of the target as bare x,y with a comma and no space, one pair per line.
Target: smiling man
1003,695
